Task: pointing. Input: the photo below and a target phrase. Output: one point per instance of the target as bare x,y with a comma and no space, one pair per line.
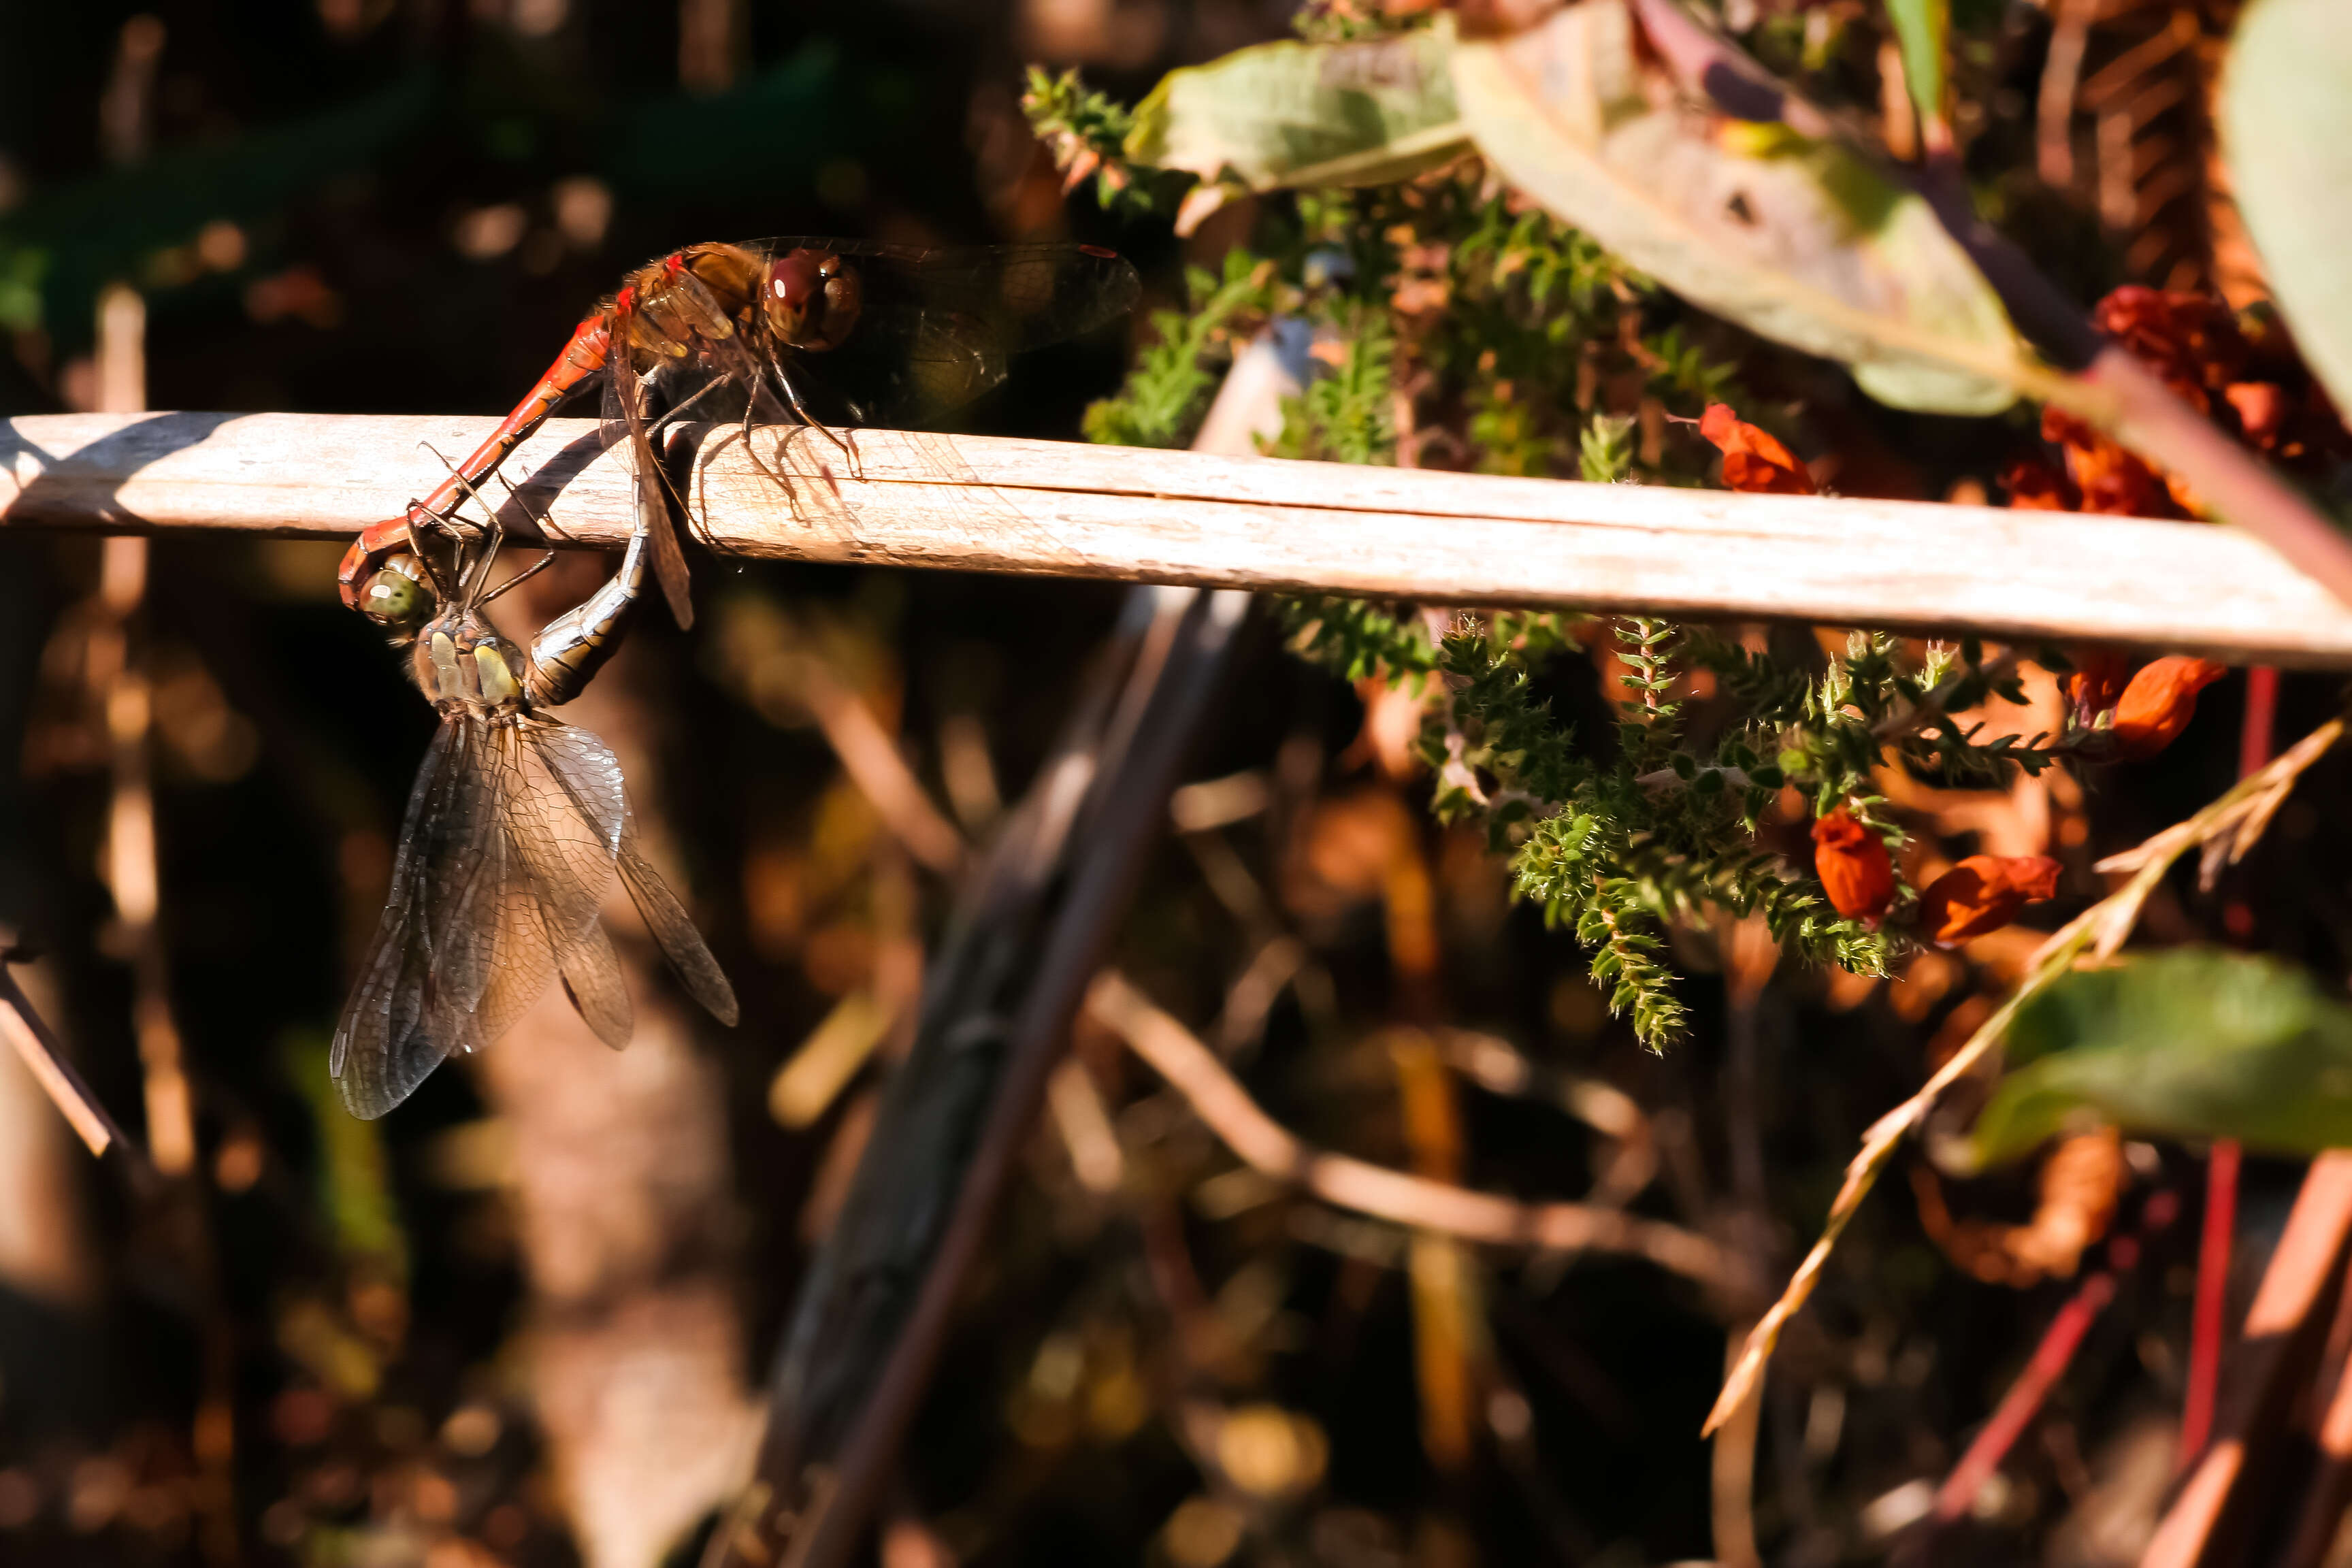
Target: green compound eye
395,597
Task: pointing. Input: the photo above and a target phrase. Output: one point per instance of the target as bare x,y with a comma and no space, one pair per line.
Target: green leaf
2193,1043
1293,114
1805,241
1923,28
2286,130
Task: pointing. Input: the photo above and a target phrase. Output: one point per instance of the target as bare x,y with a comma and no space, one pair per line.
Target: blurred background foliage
522,1321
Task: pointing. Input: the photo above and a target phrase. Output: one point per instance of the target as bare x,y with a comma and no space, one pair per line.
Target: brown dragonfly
822,332
515,828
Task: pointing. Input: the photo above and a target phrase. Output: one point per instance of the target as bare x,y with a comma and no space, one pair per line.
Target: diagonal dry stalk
25,1030
1420,1202
2236,818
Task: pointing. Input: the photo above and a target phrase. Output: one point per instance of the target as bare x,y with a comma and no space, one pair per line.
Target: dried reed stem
1268,1147
1065,510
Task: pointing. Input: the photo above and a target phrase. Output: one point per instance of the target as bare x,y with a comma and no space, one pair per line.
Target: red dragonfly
820,331
515,828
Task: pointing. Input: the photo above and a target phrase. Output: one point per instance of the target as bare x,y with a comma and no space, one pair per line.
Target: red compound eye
794,279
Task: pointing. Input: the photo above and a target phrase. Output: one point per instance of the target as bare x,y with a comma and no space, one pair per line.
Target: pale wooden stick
1268,1147
46,1063
1063,509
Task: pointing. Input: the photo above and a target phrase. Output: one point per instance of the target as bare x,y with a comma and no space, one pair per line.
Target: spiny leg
546,559
793,396
463,486
481,573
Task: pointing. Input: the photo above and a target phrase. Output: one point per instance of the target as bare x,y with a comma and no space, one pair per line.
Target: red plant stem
2049,1362
2023,1400
2208,1328
2262,709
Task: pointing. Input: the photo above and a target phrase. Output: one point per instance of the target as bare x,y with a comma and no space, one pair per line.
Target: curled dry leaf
2081,1180
1806,240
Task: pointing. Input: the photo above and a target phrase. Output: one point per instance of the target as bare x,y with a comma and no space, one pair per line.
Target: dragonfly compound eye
812,298
396,597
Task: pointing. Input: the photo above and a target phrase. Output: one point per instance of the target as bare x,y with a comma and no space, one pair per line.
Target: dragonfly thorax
460,661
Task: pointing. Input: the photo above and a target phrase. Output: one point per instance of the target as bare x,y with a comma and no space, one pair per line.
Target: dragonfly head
400,597
811,298
461,661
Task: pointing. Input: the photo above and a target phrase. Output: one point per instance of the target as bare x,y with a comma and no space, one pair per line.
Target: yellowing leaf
1294,114
2286,126
1799,239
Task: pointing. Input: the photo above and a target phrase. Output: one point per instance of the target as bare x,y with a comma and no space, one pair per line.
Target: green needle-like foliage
1451,328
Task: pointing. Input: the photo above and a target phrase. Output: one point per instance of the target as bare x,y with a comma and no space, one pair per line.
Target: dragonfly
817,333
517,827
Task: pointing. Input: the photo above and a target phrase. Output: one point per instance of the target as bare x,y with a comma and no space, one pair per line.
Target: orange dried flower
1853,864
1753,459
2098,679
2262,411
2191,339
2243,373
2110,480
2159,702
2035,484
1984,893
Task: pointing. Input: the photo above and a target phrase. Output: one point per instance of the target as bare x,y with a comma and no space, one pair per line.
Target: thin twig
1066,510
2098,931
2209,1328
46,1061
2049,1362
1268,1147
873,761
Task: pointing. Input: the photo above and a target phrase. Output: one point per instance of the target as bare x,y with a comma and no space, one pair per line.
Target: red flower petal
1983,893
1853,866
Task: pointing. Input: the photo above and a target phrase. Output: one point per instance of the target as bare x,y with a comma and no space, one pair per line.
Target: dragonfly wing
628,416
557,861
673,928
398,1024
581,809
592,978
939,326
584,767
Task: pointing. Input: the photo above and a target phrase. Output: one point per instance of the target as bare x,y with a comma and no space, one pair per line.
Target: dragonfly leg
584,356
489,558
793,396
546,560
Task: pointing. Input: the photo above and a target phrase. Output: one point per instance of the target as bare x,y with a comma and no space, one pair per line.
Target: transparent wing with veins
496,886
576,761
